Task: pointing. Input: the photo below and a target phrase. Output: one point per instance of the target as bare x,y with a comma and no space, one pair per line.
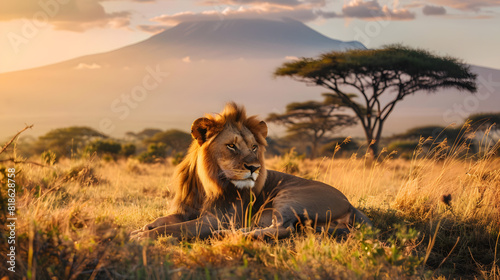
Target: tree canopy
381,77
65,141
145,133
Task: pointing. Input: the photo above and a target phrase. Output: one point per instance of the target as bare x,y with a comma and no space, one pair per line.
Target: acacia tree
66,141
313,120
382,77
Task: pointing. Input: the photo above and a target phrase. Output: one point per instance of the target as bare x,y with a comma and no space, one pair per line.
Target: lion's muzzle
247,182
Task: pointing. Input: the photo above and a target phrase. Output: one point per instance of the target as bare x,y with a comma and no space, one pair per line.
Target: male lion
223,181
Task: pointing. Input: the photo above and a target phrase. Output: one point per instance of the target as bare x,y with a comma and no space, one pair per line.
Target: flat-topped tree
313,120
373,74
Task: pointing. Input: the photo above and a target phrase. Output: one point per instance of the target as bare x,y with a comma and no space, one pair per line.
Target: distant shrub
104,148
176,141
156,152
404,148
128,150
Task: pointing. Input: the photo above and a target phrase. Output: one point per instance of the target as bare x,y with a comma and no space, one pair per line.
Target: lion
222,184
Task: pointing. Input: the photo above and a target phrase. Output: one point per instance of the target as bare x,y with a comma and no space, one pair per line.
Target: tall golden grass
435,216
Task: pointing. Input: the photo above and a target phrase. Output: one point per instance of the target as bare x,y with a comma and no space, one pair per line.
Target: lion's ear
263,129
200,128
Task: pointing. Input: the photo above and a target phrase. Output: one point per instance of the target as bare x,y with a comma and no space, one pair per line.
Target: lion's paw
138,235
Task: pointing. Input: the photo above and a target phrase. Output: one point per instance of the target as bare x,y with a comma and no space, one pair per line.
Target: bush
404,148
128,150
104,148
156,152
175,140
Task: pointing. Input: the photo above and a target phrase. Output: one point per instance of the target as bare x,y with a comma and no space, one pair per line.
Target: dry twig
14,138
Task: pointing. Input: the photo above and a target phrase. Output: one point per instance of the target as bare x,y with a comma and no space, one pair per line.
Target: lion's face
231,149
239,156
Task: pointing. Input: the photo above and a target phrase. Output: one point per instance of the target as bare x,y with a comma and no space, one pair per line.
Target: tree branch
13,160
346,99
14,138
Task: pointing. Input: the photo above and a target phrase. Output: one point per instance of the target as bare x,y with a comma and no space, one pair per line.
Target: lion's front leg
274,232
162,221
170,219
198,228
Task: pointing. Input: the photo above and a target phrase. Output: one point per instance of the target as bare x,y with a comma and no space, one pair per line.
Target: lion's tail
359,217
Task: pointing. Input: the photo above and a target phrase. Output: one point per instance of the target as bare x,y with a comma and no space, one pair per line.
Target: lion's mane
197,178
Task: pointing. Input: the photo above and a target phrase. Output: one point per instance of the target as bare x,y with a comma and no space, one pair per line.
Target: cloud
290,3
154,29
372,9
467,5
397,14
361,9
305,12
433,10
327,15
83,66
72,15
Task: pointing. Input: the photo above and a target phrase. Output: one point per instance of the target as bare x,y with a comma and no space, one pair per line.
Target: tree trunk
369,138
374,149
314,147
375,146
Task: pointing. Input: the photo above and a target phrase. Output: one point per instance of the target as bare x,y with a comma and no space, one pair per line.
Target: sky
36,33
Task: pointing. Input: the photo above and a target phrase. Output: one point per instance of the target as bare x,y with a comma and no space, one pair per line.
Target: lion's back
287,192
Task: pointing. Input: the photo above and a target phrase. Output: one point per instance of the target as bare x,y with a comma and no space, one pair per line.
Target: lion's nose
252,168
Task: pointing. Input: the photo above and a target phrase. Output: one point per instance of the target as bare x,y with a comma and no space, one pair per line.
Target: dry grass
435,216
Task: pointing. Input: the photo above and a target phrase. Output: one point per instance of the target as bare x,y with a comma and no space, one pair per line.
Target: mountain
176,76
241,38
220,40
235,38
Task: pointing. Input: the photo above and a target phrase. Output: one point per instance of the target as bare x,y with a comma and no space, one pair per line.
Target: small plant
82,174
49,158
290,162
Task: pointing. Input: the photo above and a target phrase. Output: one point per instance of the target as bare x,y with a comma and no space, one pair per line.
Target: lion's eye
254,148
231,147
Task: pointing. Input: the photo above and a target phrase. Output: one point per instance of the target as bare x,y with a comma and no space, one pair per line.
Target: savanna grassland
435,216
